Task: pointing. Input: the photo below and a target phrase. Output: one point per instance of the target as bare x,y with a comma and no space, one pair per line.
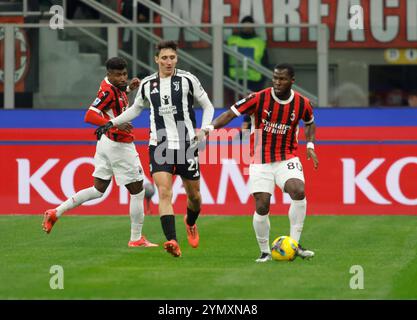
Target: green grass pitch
98,264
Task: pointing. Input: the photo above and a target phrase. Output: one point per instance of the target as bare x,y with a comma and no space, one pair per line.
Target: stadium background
362,200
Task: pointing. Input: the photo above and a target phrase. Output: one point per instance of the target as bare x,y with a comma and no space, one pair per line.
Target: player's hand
201,135
127,127
103,129
312,154
134,84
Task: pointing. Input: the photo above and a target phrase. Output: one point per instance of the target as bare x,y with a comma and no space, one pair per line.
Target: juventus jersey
172,117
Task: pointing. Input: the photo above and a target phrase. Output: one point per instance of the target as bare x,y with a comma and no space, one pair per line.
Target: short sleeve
246,105
198,90
102,101
308,116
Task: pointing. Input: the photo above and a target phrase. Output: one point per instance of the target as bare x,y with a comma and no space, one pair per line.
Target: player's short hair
116,63
168,44
289,67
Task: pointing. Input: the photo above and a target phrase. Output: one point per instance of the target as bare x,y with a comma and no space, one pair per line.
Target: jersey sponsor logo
176,85
154,91
166,110
275,128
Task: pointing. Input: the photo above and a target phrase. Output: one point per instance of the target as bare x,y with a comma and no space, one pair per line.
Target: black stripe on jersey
259,122
275,136
161,134
264,133
117,105
176,98
296,120
190,100
285,136
102,99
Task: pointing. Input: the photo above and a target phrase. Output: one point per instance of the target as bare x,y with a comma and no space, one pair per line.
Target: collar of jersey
173,74
282,101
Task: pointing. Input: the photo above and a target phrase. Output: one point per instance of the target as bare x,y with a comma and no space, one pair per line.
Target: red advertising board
355,176
351,24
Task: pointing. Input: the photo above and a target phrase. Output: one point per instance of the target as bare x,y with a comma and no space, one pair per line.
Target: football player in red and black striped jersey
116,153
275,115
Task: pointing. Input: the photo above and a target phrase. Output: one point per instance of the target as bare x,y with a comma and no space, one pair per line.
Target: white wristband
209,128
310,145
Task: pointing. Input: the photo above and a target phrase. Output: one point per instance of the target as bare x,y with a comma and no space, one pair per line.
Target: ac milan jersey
274,123
111,102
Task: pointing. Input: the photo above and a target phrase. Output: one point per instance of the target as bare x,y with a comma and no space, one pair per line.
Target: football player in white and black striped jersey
170,95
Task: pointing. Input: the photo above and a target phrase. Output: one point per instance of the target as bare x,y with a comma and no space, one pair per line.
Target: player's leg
97,191
137,215
261,224
128,171
290,178
298,208
262,186
192,188
163,181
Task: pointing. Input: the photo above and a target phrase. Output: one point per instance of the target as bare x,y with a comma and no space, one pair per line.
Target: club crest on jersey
176,85
154,84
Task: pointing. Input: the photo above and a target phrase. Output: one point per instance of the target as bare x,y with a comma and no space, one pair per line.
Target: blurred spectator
78,10
349,94
395,98
142,11
412,99
248,43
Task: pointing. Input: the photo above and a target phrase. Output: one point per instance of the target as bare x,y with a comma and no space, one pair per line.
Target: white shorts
264,176
118,159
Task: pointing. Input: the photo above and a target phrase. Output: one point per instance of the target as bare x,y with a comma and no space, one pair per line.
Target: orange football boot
192,233
142,242
49,220
173,248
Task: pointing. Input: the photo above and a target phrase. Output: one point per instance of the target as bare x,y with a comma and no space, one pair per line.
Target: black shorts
182,162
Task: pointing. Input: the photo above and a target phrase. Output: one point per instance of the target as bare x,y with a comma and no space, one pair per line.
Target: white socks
297,214
262,226
77,199
137,215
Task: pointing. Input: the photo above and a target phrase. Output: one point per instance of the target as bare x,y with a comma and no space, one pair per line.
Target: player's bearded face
167,61
118,78
282,82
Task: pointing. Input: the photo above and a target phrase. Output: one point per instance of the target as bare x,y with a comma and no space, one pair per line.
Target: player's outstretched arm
310,132
217,123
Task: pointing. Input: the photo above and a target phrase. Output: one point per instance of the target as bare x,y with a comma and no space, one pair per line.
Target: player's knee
195,198
97,193
298,193
165,193
262,208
